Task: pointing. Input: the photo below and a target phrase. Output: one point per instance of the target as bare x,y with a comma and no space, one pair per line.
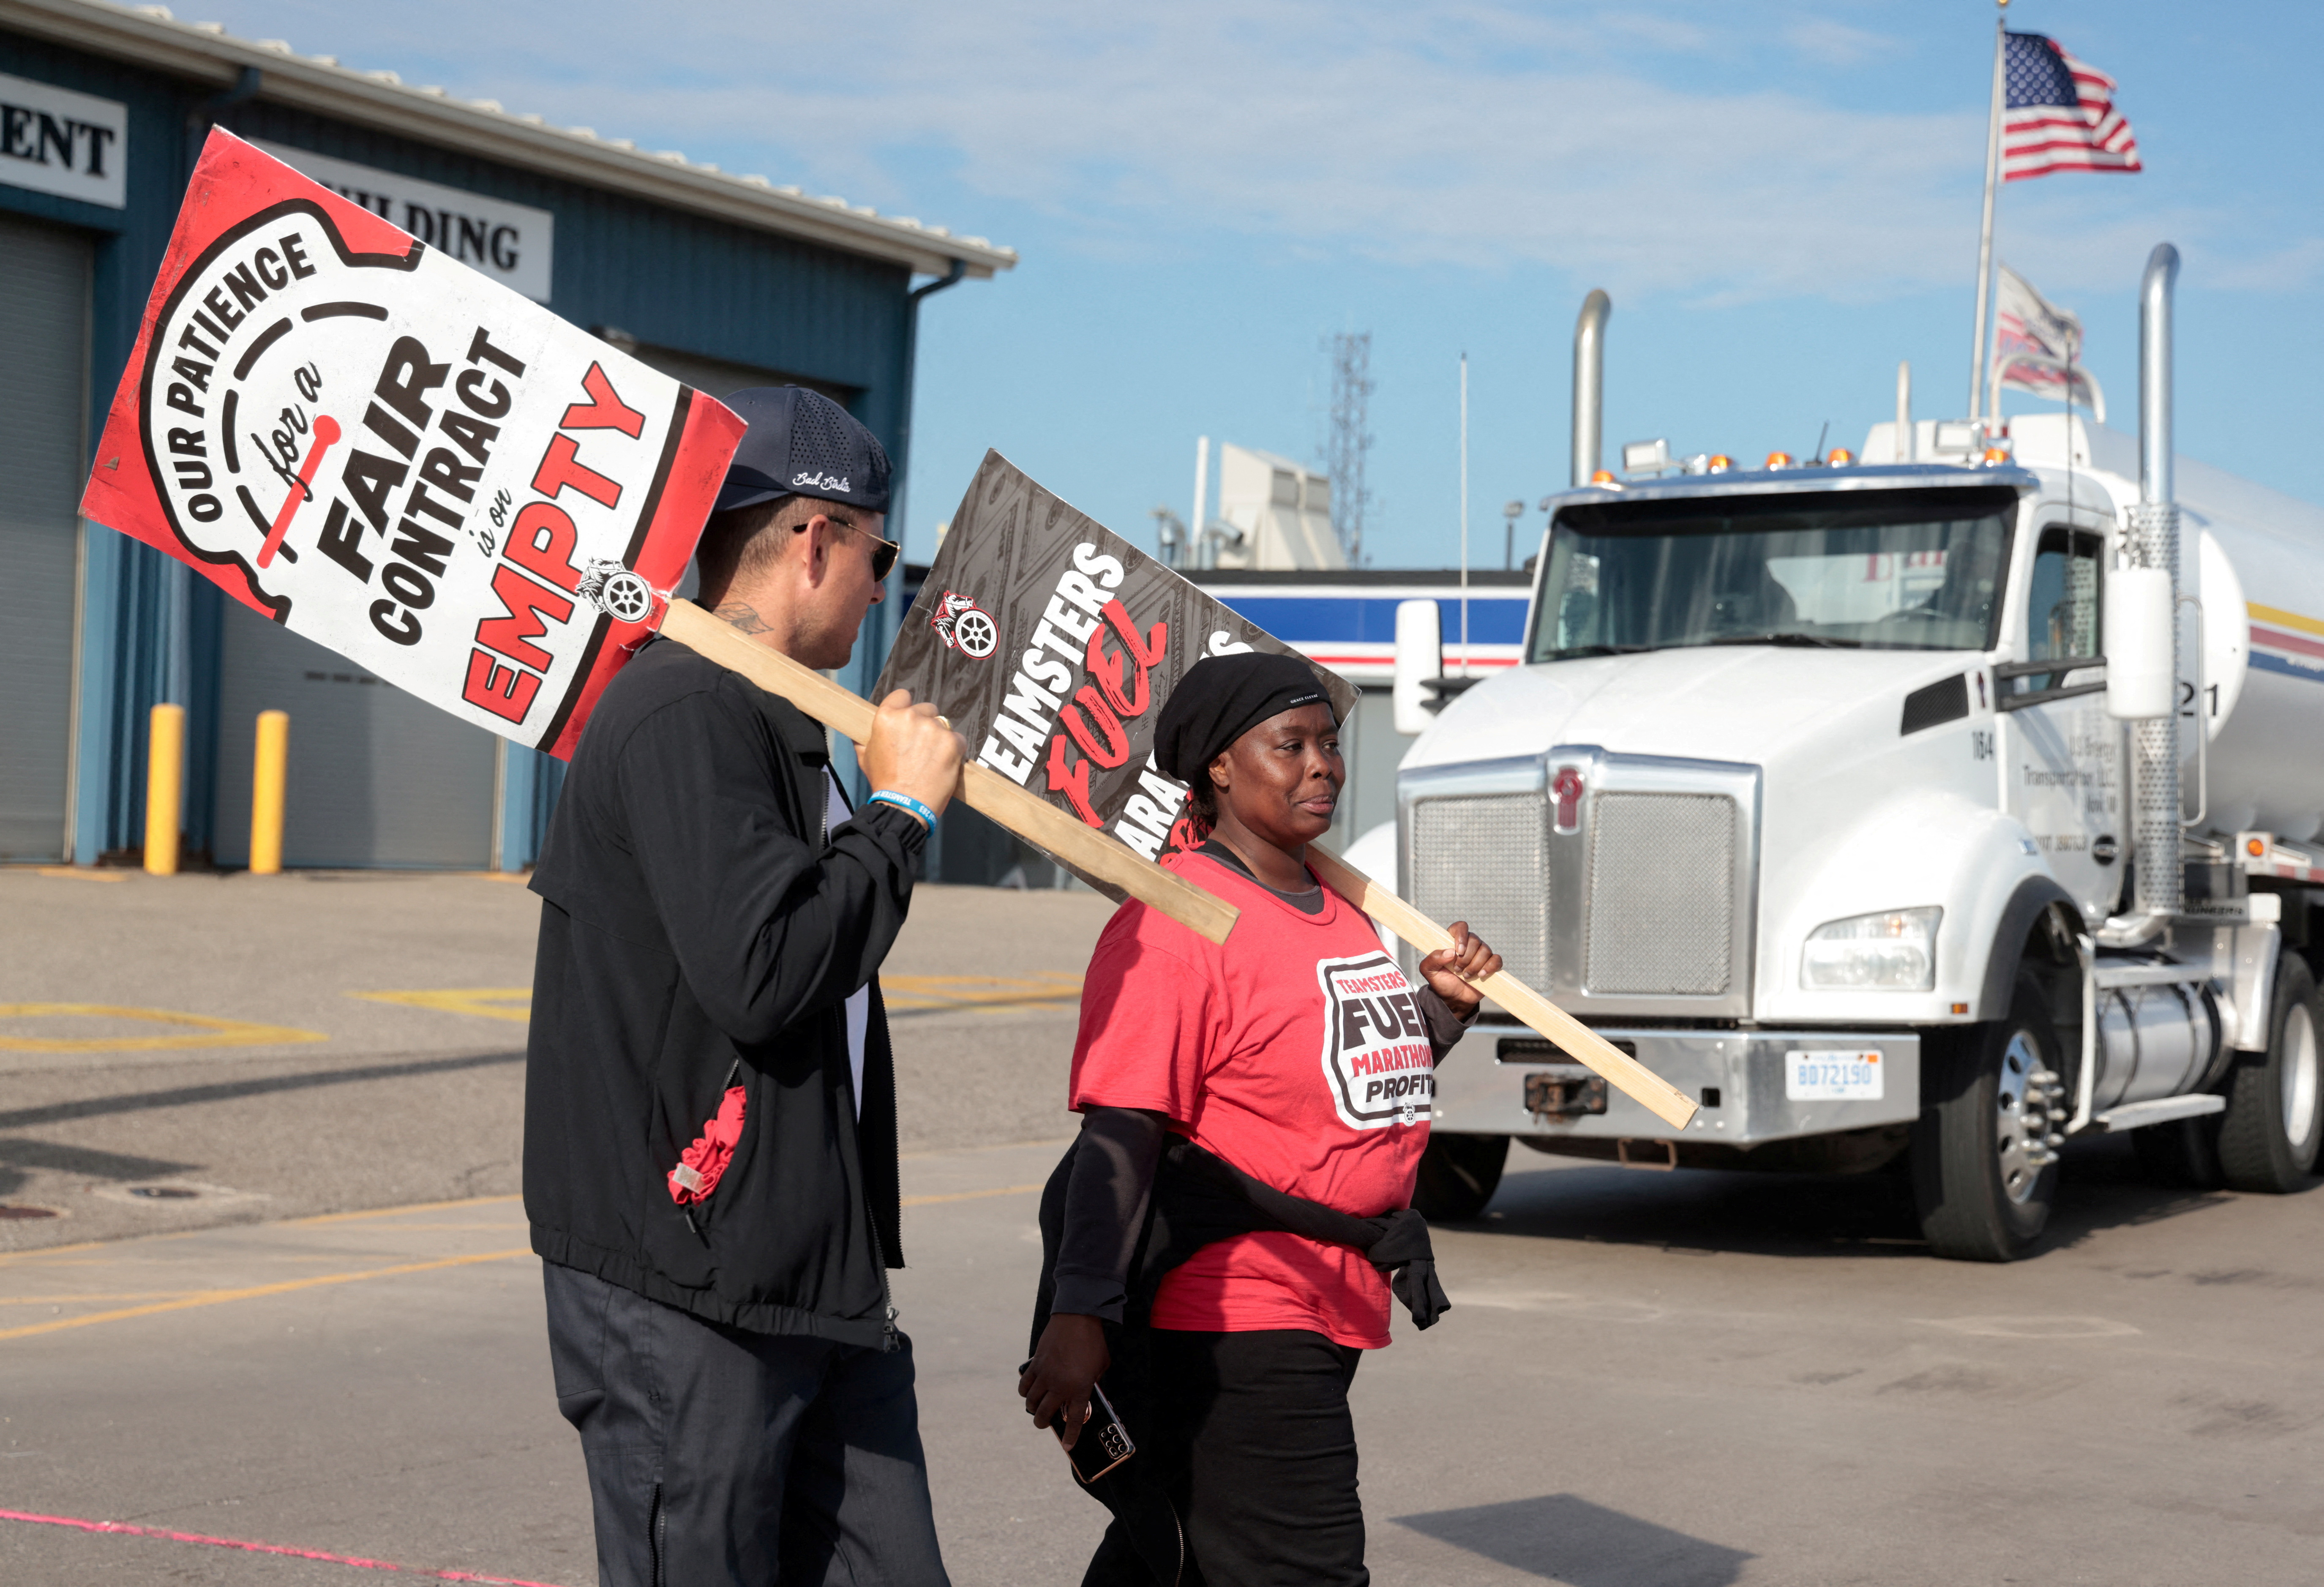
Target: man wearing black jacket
710,1120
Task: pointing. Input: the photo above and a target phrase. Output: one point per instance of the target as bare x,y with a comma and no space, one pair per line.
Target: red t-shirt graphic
1295,1052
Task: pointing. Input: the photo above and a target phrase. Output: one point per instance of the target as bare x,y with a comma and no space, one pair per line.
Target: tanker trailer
1926,813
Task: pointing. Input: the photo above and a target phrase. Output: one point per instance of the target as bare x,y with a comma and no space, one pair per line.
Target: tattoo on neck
743,616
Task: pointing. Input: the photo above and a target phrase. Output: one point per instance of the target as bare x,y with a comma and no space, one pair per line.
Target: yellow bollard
165,775
271,764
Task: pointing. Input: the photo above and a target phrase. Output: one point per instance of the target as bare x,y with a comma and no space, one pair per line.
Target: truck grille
1662,903
1485,860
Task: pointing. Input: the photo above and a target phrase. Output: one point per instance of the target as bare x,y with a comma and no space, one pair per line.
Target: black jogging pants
1255,1443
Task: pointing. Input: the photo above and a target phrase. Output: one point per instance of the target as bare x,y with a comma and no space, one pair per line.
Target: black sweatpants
1254,1441
717,1456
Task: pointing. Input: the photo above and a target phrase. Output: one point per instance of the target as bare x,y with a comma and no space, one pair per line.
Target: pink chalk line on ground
124,1529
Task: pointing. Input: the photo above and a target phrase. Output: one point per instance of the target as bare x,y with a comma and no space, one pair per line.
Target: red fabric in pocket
701,1166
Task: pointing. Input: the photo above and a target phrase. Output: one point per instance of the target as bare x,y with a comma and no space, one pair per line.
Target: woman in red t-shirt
1300,1055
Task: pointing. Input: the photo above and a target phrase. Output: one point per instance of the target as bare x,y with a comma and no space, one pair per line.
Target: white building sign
55,141
510,243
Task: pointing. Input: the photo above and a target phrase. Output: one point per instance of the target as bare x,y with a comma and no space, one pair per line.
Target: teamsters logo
965,626
373,438
1377,1058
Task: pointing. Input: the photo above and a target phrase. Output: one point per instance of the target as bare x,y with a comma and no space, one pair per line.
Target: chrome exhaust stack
1589,385
2153,542
2142,637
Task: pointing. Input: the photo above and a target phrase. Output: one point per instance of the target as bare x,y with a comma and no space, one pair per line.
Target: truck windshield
1914,570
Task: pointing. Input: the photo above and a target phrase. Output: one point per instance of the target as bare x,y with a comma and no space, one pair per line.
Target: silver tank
2154,1041
2256,560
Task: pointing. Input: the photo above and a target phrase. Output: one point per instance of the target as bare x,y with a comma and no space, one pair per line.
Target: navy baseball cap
801,443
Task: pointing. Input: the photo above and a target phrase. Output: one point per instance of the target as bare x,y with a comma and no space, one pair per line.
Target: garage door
376,777
44,402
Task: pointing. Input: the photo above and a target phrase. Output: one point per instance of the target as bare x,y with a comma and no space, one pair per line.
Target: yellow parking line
492,1002
486,1201
901,992
29,1253
59,1300
51,1251
424,1206
929,1200
499,1226
223,1032
913,1005
80,873
946,1151
220,1296
977,991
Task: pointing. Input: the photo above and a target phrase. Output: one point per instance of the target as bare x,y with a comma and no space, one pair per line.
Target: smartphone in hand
1104,1443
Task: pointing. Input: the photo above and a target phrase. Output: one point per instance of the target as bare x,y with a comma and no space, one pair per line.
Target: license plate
1831,1076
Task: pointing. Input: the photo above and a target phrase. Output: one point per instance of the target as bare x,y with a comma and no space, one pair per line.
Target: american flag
2060,115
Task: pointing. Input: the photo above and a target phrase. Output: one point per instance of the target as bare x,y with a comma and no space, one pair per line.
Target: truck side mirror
1419,656
2141,679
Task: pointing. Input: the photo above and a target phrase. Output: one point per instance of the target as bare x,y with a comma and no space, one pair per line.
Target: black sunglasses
884,552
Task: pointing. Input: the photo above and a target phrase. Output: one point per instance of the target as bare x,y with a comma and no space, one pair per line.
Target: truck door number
1980,744
2187,699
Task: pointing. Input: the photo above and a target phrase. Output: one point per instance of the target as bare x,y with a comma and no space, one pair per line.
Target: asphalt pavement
183,1051
1682,1379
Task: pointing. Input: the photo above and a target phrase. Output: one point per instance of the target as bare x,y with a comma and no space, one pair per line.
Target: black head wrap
1222,698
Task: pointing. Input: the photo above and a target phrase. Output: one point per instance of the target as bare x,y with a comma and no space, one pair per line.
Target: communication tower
1350,441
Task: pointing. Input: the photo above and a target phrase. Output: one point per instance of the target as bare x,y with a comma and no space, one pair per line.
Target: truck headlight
1892,951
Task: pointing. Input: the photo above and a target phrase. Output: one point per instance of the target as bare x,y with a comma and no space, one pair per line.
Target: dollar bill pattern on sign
1051,643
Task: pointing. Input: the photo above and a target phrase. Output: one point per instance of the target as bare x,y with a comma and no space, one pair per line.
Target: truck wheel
1458,1176
2269,1133
1983,1174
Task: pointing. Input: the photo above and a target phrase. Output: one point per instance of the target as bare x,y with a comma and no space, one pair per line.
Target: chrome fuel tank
2154,1041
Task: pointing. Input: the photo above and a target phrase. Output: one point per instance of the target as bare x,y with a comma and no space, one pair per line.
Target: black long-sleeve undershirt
1105,1209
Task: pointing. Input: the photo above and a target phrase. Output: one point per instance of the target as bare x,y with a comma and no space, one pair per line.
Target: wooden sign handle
1089,850
1572,1037
1028,816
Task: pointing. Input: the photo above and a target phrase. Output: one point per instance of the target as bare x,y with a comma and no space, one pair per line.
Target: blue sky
1782,200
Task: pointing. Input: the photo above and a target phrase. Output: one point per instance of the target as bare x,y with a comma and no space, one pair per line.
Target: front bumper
1738,1076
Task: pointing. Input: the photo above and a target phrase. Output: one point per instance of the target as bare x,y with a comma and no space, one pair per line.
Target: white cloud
1837,43
1474,135
1477,134
2293,267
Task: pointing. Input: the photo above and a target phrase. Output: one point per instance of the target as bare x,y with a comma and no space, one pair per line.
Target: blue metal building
723,282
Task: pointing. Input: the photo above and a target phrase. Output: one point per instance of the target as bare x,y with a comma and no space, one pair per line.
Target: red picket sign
400,458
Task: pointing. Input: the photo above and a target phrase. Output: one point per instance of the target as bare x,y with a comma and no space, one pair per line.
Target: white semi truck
1927,811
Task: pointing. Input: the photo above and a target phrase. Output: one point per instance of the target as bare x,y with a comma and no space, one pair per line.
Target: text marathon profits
1085,630
1376,1049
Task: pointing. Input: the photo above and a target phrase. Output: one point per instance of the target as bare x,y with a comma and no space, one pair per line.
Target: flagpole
1464,513
1984,235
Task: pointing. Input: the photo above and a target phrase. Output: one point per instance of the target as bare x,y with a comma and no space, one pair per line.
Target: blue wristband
905,802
